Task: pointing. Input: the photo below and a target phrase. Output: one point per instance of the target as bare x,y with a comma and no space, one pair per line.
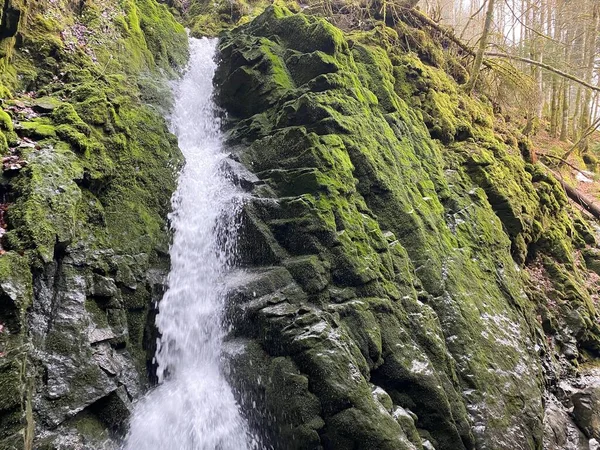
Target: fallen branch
544,66
563,161
590,204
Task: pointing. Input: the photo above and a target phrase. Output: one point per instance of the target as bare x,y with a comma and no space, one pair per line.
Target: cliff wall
88,170
409,278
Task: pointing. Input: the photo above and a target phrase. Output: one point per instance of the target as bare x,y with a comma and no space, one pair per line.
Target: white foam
193,407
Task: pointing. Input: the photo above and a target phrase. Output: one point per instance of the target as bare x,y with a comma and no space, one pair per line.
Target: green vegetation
409,197
96,167
423,276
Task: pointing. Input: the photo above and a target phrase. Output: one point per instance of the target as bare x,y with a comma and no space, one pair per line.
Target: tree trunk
554,108
574,121
589,203
590,55
564,127
489,15
539,76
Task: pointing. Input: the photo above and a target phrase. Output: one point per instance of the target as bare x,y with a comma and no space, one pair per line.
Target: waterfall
193,407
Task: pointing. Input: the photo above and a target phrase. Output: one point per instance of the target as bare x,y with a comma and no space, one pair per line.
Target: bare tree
489,15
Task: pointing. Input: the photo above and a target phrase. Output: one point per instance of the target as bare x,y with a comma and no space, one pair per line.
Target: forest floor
587,178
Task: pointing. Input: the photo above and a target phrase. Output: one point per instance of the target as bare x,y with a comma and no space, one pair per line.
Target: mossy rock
38,130
96,188
405,219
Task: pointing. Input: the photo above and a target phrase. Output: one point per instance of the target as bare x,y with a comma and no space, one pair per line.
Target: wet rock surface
88,168
586,411
560,432
572,412
385,298
80,329
407,280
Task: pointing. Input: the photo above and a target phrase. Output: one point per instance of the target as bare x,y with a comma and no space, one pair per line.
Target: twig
471,18
563,161
544,66
530,28
585,134
105,67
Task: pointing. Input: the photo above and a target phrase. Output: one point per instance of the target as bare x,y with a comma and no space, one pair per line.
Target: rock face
560,432
408,280
586,407
572,415
88,170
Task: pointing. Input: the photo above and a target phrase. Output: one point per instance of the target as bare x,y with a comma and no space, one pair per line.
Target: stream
193,407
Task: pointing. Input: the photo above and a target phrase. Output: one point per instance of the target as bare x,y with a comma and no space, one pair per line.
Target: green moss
95,110
166,39
206,18
16,295
15,292
79,141
592,259
5,122
98,316
205,25
136,324
401,213
11,386
66,115
91,427
99,179
394,184
38,129
3,143
45,104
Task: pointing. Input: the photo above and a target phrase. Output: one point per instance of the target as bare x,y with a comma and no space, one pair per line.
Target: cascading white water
193,407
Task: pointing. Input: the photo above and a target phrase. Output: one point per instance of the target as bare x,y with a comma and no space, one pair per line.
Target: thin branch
563,161
588,132
471,18
545,66
448,33
530,28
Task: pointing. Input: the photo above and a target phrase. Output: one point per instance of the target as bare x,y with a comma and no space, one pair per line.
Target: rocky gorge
407,277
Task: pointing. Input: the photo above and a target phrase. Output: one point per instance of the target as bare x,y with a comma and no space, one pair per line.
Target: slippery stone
395,251
586,411
560,432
